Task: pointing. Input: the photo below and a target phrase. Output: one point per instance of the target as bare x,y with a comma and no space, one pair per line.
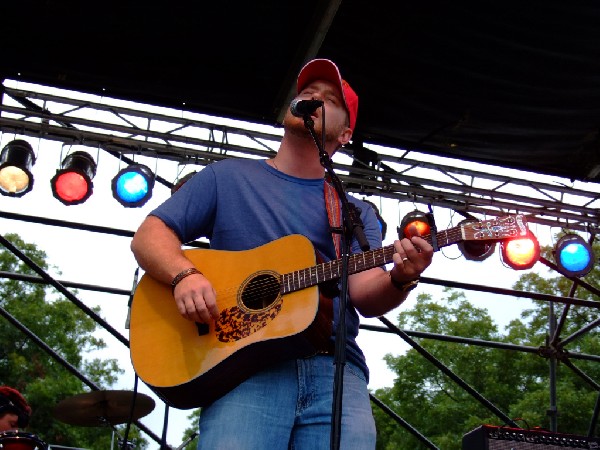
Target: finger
422,245
210,300
192,307
406,251
201,313
413,231
399,251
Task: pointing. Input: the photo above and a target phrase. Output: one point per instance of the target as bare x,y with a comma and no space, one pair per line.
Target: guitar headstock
495,229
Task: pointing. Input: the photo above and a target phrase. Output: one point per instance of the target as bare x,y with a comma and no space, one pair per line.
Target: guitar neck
357,262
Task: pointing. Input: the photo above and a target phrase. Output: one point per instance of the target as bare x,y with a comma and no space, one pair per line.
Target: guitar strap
334,213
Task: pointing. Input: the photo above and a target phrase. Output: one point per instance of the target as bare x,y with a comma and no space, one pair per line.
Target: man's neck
299,157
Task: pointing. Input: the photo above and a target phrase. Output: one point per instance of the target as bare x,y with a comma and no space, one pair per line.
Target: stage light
364,159
16,160
416,218
476,250
573,255
177,185
132,186
72,183
382,224
521,253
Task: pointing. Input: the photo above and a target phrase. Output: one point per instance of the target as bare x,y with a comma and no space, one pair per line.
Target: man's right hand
196,299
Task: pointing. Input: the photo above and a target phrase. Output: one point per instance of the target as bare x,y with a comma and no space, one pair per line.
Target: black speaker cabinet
487,437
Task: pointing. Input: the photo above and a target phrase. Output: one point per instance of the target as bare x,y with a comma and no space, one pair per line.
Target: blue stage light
132,186
573,255
382,224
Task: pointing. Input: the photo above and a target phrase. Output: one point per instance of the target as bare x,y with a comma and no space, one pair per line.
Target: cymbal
99,408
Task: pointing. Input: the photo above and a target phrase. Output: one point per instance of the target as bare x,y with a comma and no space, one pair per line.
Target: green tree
192,430
517,383
64,328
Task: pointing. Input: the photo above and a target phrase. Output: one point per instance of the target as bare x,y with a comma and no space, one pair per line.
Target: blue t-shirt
240,204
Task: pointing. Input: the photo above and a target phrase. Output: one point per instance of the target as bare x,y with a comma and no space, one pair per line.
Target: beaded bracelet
181,275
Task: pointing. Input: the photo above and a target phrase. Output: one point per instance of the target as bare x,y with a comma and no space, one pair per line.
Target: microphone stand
351,226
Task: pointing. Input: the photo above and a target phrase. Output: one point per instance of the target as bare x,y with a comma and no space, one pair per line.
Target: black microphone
301,108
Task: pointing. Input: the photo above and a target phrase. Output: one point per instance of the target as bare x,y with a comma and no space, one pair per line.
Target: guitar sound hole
260,292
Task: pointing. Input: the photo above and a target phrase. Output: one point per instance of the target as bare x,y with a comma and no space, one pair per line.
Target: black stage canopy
513,83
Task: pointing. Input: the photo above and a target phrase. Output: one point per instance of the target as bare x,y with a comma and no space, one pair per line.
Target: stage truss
126,132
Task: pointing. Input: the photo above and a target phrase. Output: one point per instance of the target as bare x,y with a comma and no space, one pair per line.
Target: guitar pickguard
235,324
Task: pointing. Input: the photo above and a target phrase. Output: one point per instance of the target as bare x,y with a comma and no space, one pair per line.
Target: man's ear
345,136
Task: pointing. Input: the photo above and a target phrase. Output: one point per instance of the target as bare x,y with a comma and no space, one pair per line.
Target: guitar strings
303,278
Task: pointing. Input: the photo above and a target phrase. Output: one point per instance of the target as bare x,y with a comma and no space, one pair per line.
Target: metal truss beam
127,131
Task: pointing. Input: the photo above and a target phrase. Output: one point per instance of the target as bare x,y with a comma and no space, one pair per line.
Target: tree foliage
65,329
517,382
192,430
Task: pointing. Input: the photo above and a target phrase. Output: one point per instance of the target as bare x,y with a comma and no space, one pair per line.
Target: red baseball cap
324,69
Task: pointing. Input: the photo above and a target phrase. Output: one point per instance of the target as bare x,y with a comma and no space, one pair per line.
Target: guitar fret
445,235
285,282
331,270
353,263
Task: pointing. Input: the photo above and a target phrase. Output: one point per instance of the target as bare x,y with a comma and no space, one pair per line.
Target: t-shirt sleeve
190,211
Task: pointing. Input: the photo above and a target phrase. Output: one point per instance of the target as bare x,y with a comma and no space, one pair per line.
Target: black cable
124,445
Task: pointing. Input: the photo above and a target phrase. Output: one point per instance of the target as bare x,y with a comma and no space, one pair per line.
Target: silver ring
404,259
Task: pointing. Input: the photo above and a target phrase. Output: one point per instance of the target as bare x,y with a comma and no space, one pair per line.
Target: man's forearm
157,250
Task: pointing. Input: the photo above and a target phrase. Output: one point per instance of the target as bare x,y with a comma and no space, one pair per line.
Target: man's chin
297,128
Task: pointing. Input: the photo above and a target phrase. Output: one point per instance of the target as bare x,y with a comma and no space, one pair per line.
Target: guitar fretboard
357,262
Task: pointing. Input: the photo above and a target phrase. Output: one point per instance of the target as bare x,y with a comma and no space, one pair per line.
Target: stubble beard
295,126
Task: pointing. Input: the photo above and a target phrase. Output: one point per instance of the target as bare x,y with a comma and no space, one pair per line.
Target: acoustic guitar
270,310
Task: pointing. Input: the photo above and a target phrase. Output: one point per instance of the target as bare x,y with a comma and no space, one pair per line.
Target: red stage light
417,219
71,187
521,253
72,184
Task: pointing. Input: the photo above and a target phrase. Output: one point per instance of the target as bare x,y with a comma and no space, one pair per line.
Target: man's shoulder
231,169
235,162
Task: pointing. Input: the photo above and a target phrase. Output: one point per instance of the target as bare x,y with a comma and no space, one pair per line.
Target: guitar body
189,365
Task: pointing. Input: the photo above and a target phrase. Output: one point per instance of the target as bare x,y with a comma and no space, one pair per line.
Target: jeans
288,406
